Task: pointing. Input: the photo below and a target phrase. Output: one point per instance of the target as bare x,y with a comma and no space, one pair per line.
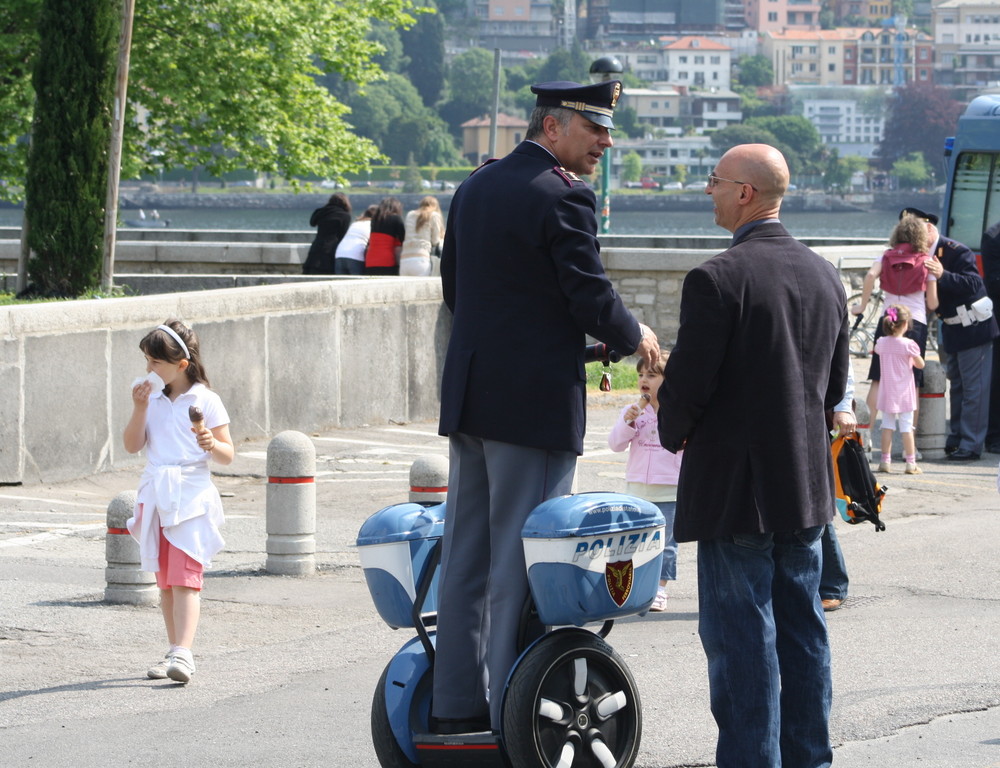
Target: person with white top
350,255
182,424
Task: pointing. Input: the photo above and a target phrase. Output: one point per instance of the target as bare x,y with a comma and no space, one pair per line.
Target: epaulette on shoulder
568,176
485,163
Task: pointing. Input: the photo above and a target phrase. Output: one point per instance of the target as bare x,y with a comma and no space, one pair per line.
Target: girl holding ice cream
181,423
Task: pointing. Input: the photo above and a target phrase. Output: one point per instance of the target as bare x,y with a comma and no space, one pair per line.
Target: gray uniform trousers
492,487
969,373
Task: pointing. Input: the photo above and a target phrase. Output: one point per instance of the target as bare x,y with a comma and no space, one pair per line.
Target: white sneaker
660,601
159,670
181,666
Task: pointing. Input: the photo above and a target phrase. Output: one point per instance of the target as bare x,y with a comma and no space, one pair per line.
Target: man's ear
551,127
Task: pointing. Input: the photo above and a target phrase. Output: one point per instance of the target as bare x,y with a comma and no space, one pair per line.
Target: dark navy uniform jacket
961,284
522,276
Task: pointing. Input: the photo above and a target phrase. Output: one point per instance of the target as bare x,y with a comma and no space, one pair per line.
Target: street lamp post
604,69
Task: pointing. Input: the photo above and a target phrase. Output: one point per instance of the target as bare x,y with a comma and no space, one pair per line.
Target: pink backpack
903,270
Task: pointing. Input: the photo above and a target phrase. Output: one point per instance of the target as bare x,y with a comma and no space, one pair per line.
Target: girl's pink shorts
178,568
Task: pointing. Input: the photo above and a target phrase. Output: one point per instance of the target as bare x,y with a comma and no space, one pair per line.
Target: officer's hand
934,266
649,347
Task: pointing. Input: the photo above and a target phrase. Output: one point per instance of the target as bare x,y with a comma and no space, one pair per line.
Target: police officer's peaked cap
920,215
595,102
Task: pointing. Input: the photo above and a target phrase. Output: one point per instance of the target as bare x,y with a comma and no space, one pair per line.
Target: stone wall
303,357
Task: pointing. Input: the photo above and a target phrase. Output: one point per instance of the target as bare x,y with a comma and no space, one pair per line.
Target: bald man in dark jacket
761,354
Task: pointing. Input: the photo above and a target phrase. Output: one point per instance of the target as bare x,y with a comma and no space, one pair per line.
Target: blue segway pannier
395,546
593,557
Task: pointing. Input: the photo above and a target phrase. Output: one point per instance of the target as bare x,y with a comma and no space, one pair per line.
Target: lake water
815,224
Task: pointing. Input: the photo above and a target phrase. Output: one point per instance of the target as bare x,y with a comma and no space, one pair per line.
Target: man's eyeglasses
713,181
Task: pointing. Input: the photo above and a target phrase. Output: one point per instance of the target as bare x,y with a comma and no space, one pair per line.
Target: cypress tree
66,181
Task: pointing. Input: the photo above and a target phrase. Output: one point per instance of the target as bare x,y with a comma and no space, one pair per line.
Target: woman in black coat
332,221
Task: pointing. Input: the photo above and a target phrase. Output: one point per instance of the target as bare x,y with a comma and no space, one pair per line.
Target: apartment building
692,61
697,62
663,157
810,57
848,118
777,15
519,25
967,44
850,56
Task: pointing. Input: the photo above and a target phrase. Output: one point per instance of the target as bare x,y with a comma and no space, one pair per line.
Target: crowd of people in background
378,242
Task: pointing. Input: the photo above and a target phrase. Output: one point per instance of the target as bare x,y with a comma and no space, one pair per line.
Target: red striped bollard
931,422
429,479
127,583
291,505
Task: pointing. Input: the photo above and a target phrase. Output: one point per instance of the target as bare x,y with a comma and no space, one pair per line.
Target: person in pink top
651,471
897,395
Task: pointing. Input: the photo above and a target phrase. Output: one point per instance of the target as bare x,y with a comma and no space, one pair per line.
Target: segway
569,701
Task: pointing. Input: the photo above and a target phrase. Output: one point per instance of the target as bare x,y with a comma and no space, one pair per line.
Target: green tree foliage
424,47
66,185
392,115
18,44
228,85
797,136
912,171
840,170
391,56
756,71
919,118
754,132
471,81
572,65
631,167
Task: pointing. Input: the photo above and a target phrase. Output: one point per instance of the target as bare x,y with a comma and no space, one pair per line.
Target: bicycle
862,335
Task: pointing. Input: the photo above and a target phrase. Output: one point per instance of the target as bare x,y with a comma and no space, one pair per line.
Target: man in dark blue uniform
967,334
523,278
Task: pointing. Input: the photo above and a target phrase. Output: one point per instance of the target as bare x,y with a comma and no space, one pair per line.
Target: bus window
975,197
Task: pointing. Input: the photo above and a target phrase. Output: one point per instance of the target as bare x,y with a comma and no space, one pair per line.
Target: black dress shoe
993,447
950,449
963,455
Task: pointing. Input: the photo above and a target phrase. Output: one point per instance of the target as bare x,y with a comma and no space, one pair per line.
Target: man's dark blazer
522,274
761,353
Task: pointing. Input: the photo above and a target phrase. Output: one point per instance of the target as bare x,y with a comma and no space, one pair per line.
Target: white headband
177,338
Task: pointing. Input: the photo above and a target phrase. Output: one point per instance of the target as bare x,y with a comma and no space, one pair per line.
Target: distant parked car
672,185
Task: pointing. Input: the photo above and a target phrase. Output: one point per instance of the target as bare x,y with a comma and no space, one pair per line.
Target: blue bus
972,192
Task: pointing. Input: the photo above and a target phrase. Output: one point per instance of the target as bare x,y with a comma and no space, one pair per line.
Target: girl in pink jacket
651,471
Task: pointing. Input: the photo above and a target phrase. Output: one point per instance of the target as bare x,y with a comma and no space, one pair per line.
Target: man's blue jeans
764,633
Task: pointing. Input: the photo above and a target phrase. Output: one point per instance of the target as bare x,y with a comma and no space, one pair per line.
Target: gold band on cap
581,106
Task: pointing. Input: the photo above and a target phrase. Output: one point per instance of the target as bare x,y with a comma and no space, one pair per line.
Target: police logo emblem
615,94
619,577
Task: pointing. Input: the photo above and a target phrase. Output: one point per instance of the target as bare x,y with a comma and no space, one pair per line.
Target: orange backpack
859,496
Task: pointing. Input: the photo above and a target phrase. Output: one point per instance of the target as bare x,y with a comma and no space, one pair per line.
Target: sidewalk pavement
287,666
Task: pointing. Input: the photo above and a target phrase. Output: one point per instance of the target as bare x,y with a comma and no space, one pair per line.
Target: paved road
287,666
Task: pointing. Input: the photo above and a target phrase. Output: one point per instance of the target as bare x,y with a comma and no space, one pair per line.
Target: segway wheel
571,703
387,749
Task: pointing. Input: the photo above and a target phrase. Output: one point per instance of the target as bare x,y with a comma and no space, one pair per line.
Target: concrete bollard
863,416
291,505
931,423
429,479
126,582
